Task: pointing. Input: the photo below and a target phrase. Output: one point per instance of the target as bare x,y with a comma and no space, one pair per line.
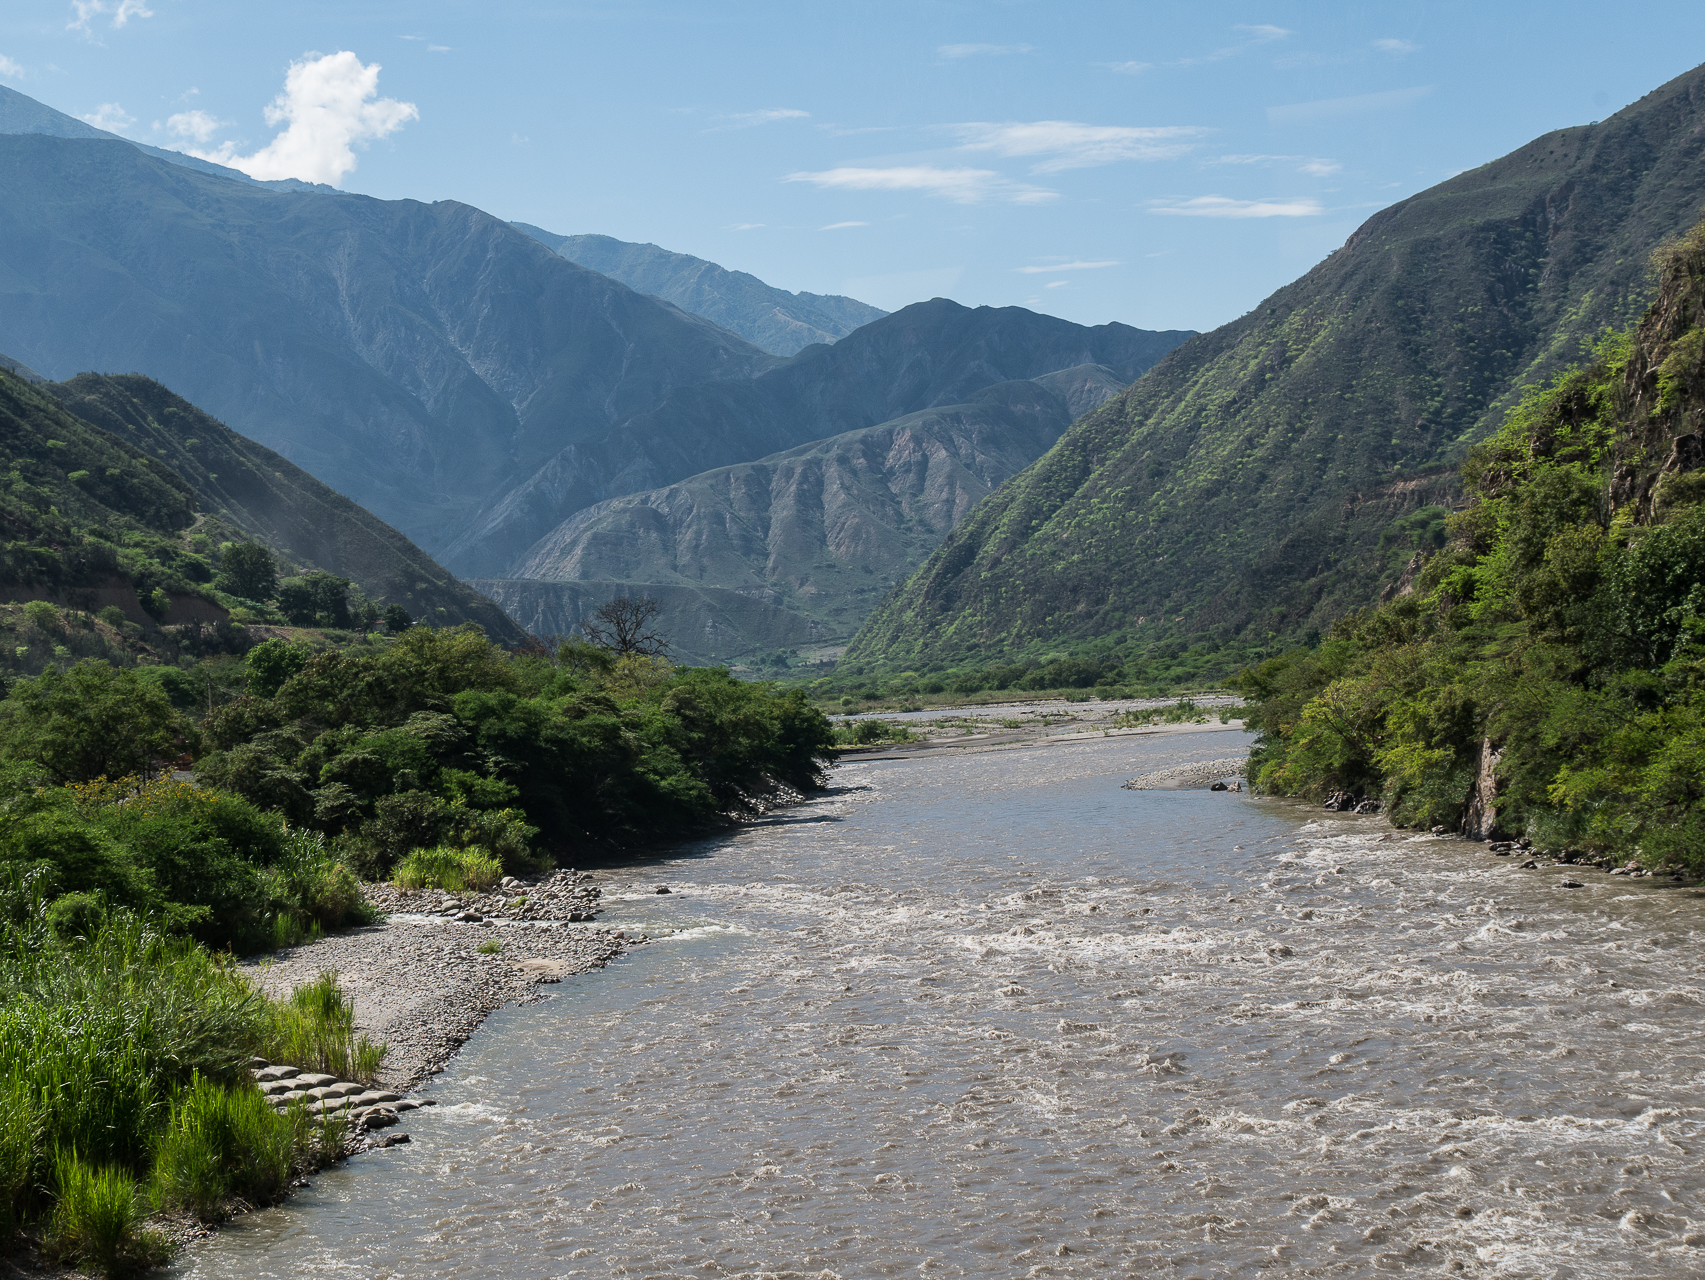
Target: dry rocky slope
1249,481
796,548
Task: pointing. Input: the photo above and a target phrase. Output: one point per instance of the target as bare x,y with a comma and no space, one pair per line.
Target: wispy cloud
751,119
10,70
328,108
109,116
120,12
1396,46
1077,146
836,226
1225,207
1318,166
962,186
197,125
744,226
1126,68
982,50
1056,284
1065,266
1253,36
1339,108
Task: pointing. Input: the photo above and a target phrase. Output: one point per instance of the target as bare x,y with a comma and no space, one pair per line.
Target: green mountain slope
1245,484
822,531
263,497
1545,675
780,322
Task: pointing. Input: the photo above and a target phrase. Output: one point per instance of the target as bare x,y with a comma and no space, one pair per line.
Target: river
992,1015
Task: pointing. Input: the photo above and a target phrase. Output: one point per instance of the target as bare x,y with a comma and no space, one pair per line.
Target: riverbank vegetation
124,1092
1545,673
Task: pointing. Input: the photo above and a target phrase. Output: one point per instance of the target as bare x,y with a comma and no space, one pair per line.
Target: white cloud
1321,168
10,70
1225,207
194,124
120,11
1262,32
328,108
1396,46
836,226
438,48
749,119
1338,108
745,226
1318,166
1065,266
1077,146
1127,68
981,50
1056,284
109,116
962,186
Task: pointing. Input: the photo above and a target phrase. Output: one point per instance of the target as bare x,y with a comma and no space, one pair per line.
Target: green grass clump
315,1030
445,868
865,732
490,947
96,1219
223,1142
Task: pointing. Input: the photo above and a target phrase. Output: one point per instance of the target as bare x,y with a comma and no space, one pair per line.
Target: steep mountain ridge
926,355
267,499
1245,484
780,322
416,357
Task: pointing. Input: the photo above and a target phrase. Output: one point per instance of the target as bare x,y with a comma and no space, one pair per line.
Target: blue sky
1165,165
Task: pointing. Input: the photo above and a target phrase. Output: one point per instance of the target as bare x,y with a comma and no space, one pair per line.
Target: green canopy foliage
1557,639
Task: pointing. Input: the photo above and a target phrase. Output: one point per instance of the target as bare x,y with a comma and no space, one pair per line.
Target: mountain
817,534
1265,477
780,322
262,497
415,357
924,356
21,114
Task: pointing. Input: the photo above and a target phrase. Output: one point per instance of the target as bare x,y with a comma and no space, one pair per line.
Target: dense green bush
443,738
1560,632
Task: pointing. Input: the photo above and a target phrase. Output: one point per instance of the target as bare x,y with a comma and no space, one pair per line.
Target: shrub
76,915
43,616
490,947
443,867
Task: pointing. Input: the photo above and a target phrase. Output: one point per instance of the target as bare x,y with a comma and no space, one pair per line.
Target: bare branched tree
627,625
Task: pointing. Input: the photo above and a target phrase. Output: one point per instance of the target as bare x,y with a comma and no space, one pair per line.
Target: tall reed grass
123,1055
445,867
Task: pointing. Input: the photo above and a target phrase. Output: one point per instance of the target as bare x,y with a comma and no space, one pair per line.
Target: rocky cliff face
815,535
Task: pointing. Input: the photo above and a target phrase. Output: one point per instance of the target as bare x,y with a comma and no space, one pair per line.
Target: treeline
1546,673
1119,666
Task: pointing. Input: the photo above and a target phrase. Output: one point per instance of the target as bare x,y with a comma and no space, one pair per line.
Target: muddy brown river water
992,1015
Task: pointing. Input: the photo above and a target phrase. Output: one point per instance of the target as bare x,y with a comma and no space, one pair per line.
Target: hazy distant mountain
927,355
22,114
416,357
820,532
780,322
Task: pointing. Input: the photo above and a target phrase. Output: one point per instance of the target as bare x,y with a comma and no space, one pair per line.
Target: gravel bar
420,982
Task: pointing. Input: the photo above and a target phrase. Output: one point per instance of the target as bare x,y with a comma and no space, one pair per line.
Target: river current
992,1015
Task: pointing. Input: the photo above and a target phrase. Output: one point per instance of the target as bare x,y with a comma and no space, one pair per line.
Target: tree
627,625
88,722
247,570
397,619
317,599
363,613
